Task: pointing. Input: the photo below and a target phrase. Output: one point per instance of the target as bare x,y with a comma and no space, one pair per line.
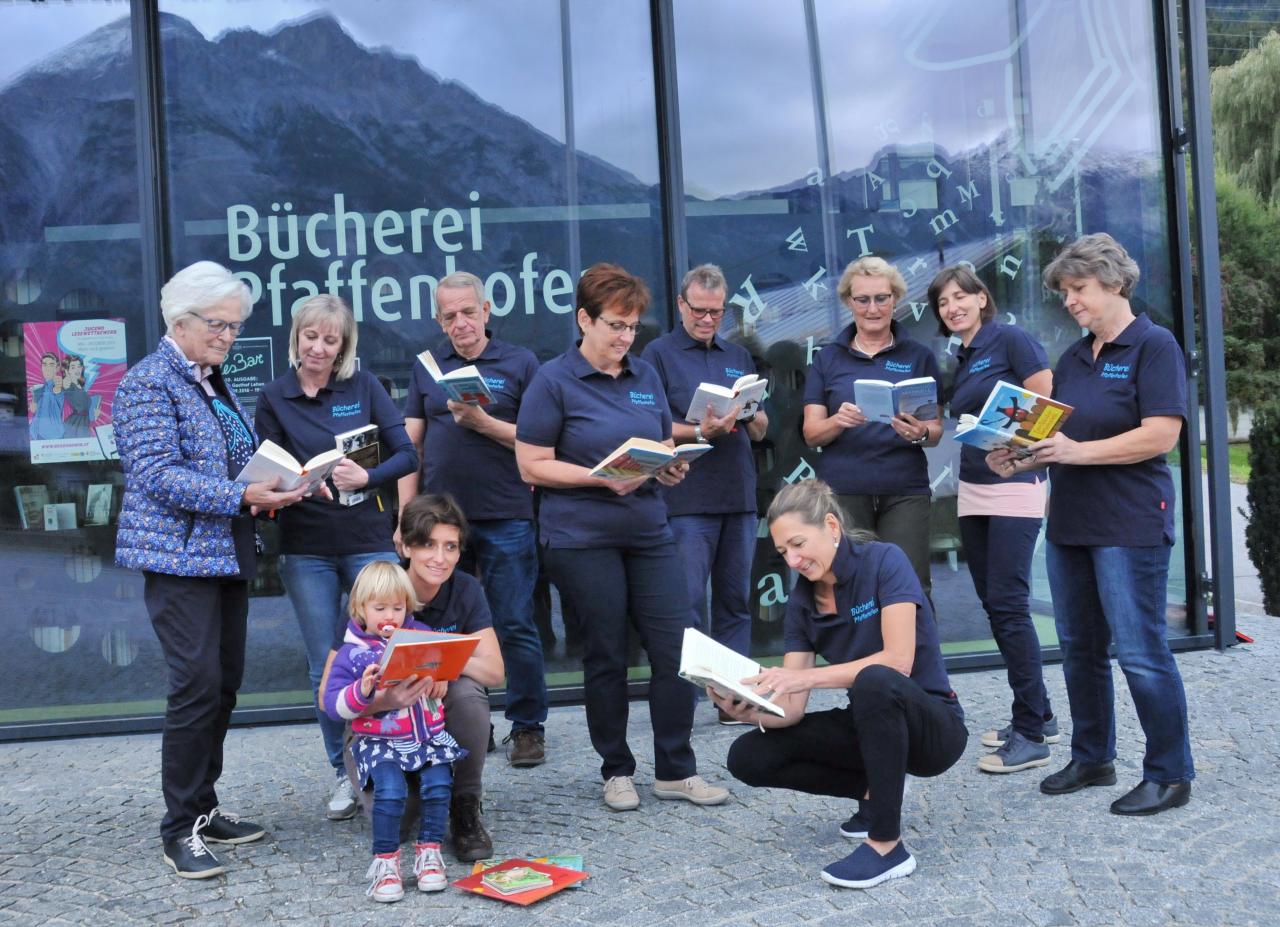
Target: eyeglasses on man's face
715,313
880,299
619,328
218,326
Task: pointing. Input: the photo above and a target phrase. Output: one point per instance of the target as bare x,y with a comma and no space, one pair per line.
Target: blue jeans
435,785
1106,593
505,553
719,547
316,586
999,550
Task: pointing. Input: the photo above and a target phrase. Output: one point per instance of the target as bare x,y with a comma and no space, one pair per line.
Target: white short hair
200,286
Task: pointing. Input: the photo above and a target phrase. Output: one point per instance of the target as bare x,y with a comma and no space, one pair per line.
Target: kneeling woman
858,604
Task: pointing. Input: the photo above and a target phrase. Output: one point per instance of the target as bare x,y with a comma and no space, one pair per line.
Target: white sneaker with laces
620,794
694,789
386,884
428,867
342,800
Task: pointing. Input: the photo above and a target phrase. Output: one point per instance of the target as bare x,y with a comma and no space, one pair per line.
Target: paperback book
706,662
747,392
642,457
270,461
1014,417
881,400
462,385
360,446
31,503
528,881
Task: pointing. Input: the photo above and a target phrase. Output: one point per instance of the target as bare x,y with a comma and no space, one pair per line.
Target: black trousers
200,622
901,520
891,727
608,585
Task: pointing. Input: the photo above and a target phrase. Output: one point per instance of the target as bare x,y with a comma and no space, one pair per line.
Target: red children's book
507,880
425,653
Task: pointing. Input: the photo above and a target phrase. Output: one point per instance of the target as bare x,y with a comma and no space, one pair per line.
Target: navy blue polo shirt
306,426
724,480
1139,374
479,473
997,352
585,414
869,578
871,459
459,607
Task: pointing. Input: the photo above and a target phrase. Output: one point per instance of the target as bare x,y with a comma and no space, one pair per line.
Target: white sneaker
342,800
620,794
428,866
694,789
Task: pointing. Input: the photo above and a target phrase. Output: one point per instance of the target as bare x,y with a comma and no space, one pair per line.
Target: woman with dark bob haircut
999,519
608,545
1111,525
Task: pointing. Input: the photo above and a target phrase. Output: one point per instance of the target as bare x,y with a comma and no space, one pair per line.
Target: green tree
1246,101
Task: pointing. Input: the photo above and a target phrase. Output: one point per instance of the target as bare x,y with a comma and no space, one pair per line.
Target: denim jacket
178,500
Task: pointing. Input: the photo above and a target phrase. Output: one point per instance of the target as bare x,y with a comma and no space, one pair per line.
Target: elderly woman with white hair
324,543
1110,527
188,526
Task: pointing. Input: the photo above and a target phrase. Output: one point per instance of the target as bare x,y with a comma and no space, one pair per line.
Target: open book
270,461
747,391
521,881
881,400
360,446
1013,416
425,653
462,385
642,457
705,662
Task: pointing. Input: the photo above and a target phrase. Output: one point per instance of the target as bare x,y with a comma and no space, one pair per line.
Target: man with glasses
713,511
467,452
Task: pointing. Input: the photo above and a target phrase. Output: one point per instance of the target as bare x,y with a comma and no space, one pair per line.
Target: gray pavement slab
78,823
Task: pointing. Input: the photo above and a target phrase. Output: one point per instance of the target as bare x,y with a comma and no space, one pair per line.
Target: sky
905,71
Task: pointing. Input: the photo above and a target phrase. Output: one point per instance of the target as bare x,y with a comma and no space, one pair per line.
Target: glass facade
367,149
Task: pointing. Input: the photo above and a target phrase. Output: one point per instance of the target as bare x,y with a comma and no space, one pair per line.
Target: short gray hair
460,280
321,308
1099,256
707,276
201,286
871,267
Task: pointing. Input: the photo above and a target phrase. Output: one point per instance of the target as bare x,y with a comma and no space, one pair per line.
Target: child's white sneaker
384,871
428,866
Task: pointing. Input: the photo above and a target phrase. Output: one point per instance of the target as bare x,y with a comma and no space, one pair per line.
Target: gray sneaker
1017,753
994,739
342,800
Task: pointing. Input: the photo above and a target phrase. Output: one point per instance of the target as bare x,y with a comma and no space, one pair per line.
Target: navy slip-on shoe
865,868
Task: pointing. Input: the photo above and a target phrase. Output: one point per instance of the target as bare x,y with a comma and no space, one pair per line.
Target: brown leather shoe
466,831
527,748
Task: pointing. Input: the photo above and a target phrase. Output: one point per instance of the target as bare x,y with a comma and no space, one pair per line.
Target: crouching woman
858,604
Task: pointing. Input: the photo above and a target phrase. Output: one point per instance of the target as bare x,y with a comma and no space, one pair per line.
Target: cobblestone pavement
78,838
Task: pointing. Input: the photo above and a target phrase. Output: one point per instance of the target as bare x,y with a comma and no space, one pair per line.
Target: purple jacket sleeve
342,698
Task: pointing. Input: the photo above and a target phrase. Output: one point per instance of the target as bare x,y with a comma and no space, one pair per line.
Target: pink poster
73,369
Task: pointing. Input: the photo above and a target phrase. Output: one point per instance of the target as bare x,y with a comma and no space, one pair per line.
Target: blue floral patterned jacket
178,501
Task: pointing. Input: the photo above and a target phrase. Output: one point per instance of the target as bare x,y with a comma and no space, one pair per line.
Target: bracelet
697,433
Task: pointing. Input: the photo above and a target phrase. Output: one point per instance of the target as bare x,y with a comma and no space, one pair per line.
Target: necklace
858,345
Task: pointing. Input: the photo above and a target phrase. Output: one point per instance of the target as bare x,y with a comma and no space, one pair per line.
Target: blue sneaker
865,868
995,739
857,826
1017,754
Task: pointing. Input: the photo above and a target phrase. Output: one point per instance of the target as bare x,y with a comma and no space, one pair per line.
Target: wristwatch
697,433
920,440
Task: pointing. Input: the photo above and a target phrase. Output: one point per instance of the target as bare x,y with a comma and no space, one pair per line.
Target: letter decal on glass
943,221
748,301
796,242
862,238
812,285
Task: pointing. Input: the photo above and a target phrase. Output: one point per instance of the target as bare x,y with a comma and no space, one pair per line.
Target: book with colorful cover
360,446
462,385
564,861
1013,417
881,400
486,883
425,653
747,391
642,457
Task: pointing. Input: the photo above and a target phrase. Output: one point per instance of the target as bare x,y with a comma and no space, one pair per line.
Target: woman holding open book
1110,525
323,401
999,519
858,605
878,469
609,547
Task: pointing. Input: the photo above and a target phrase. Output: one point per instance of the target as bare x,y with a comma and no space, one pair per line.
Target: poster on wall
73,370
250,365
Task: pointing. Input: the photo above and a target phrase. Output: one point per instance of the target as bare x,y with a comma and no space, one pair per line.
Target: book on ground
60,516
425,653
270,461
747,392
360,446
31,503
564,861
97,504
494,883
643,457
1014,417
462,385
881,400
707,662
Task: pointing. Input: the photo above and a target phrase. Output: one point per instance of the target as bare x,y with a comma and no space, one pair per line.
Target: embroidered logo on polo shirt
864,611
495,382
980,365
734,372
350,409
1115,371
897,367
643,399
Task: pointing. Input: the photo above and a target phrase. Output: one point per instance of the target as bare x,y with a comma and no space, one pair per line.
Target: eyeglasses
881,299
619,327
218,326
700,312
